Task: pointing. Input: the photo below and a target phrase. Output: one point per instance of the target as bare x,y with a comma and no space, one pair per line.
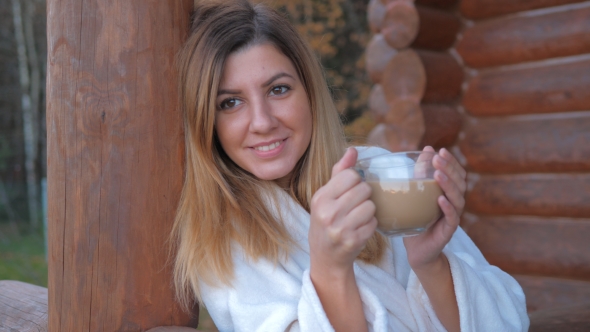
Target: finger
353,197
365,231
443,165
342,182
448,156
451,219
347,161
358,216
452,192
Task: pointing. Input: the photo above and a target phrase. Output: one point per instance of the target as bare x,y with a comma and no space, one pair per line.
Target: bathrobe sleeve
265,297
488,298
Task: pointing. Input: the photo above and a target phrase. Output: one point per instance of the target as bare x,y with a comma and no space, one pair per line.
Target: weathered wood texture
442,124
378,55
524,145
556,247
115,157
573,318
23,307
404,77
544,293
375,15
565,195
400,24
540,89
521,39
437,31
445,4
477,9
444,77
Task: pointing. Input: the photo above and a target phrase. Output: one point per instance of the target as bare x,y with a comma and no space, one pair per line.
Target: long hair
221,204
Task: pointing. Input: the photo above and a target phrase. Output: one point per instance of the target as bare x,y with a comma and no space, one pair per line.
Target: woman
275,232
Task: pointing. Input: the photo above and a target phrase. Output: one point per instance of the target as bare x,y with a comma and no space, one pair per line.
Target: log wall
524,142
505,84
115,155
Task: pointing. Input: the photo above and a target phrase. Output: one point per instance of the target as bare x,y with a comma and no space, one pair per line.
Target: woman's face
263,119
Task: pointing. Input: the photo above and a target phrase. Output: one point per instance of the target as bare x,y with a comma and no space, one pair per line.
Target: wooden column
114,167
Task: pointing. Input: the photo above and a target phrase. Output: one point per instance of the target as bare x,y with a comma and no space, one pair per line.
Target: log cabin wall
518,119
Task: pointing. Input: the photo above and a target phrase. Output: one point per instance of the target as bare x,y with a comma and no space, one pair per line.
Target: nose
262,118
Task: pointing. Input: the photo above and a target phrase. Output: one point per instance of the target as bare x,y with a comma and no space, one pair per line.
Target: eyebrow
265,84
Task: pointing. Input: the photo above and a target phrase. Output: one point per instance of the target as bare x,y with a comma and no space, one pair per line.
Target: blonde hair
222,204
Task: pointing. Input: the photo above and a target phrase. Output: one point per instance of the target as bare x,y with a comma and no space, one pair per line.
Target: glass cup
404,191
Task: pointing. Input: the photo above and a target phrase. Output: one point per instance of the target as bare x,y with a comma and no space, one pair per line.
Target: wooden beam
567,318
444,77
400,24
543,293
557,195
477,9
552,247
23,307
544,88
375,15
442,124
526,38
517,145
404,77
378,55
438,29
115,162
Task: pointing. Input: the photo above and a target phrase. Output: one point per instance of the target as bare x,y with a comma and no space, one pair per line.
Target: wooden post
115,157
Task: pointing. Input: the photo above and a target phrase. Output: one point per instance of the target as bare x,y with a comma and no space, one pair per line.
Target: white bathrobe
269,297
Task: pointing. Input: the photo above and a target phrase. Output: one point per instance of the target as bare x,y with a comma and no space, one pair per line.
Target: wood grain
400,24
543,293
378,105
521,39
477,9
378,55
525,145
375,15
442,125
445,4
444,77
115,156
551,247
23,307
572,318
558,195
404,77
438,29
540,89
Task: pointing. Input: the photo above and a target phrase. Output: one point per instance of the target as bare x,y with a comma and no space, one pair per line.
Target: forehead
255,62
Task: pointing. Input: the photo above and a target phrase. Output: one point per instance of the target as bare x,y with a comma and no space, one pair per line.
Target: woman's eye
229,103
279,90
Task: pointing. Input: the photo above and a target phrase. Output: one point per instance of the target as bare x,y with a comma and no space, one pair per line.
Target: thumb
347,161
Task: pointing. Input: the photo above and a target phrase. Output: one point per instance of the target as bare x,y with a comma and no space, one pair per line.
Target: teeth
268,147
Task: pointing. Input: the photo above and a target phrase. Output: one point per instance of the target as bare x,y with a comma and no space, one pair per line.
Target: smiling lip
272,148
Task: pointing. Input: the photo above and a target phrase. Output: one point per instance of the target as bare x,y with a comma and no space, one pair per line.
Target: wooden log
115,156
477,9
520,39
378,105
559,195
379,53
405,137
515,145
438,29
23,307
444,4
543,293
404,77
575,318
442,124
401,23
552,247
375,15
444,77
540,89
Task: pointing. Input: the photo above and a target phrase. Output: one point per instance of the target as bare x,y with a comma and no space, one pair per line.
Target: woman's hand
342,217
426,248
172,329
342,220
